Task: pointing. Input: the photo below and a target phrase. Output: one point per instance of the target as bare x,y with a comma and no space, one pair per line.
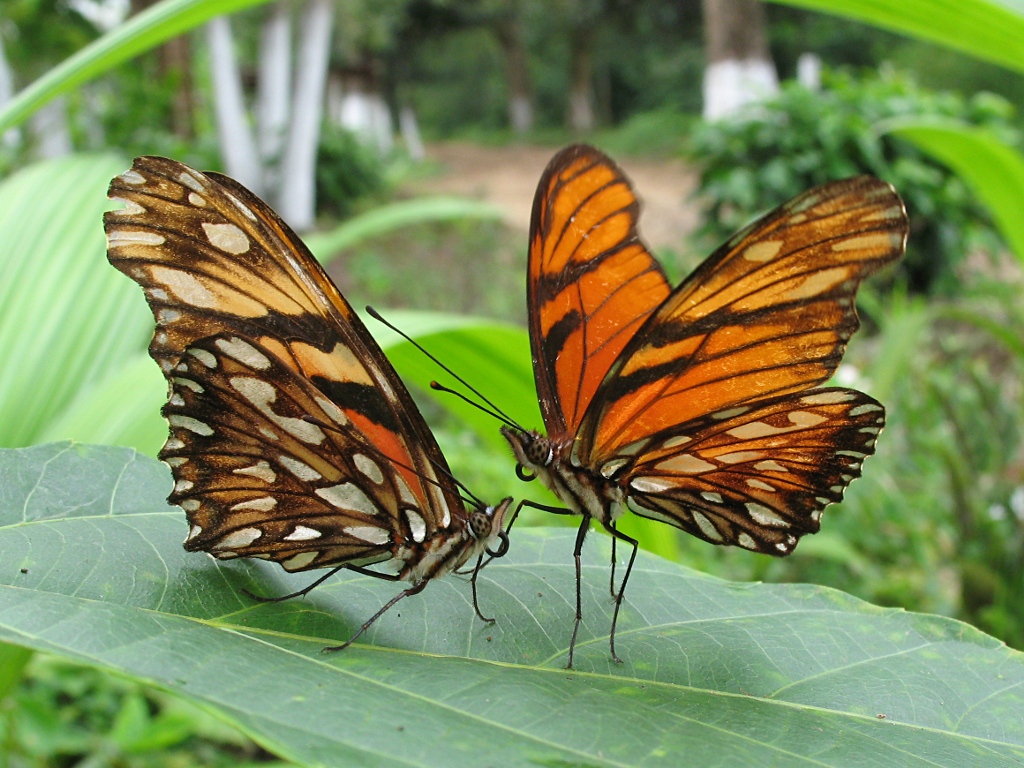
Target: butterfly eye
480,525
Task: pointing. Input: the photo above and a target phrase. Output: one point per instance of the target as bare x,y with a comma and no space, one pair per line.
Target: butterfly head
488,523
534,452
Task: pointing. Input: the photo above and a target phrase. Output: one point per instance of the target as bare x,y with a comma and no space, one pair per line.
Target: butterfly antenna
438,387
479,503
495,410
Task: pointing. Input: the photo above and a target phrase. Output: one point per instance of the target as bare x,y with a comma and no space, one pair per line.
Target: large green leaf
715,673
993,170
68,319
982,28
146,30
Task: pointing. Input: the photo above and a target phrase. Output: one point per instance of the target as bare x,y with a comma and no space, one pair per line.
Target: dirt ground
508,176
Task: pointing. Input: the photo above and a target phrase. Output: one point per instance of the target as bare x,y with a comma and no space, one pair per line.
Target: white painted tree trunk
237,144
367,115
12,136
411,133
274,87
731,85
740,71
297,202
50,129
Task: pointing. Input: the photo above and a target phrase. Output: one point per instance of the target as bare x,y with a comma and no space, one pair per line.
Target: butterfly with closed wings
292,437
699,406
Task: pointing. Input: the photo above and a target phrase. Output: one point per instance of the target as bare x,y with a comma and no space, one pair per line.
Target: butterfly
292,438
699,406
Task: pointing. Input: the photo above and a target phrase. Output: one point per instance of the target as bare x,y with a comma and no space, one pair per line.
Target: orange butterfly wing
591,282
213,259
766,315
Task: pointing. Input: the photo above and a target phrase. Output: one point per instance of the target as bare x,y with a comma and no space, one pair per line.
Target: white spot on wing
746,542
133,177
185,286
194,531
303,533
261,394
332,410
348,496
227,237
196,200
611,467
190,181
686,463
262,504
368,467
765,516
650,484
769,466
369,533
119,238
300,561
866,408
706,526
131,208
760,485
203,356
244,353
730,412
300,469
828,397
189,505
261,470
243,537
715,498
416,525
192,425
195,386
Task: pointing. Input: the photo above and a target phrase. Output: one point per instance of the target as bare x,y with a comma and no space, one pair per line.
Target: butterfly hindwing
266,466
758,477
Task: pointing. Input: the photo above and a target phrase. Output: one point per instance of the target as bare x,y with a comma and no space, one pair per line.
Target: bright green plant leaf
493,357
68,319
982,28
143,31
387,218
993,170
715,673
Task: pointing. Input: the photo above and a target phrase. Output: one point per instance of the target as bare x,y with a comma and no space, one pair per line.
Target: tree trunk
274,86
176,59
12,136
581,85
237,145
509,32
297,203
50,129
740,70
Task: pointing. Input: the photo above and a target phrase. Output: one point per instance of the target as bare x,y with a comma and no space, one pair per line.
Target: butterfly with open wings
699,406
292,438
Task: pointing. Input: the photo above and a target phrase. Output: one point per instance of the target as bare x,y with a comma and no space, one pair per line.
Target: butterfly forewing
767,314
759,477
591,281
266,466
213,258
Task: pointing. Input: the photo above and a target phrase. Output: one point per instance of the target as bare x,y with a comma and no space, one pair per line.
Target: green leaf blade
729,674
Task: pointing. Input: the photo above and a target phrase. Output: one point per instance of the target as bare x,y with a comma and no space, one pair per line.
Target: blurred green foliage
347,171
802,138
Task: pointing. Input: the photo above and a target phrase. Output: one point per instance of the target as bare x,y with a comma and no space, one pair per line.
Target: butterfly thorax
583,491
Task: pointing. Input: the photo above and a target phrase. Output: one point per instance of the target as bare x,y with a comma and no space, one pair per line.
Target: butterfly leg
476,604
611,580
617,534
580,535
415,589
300,593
